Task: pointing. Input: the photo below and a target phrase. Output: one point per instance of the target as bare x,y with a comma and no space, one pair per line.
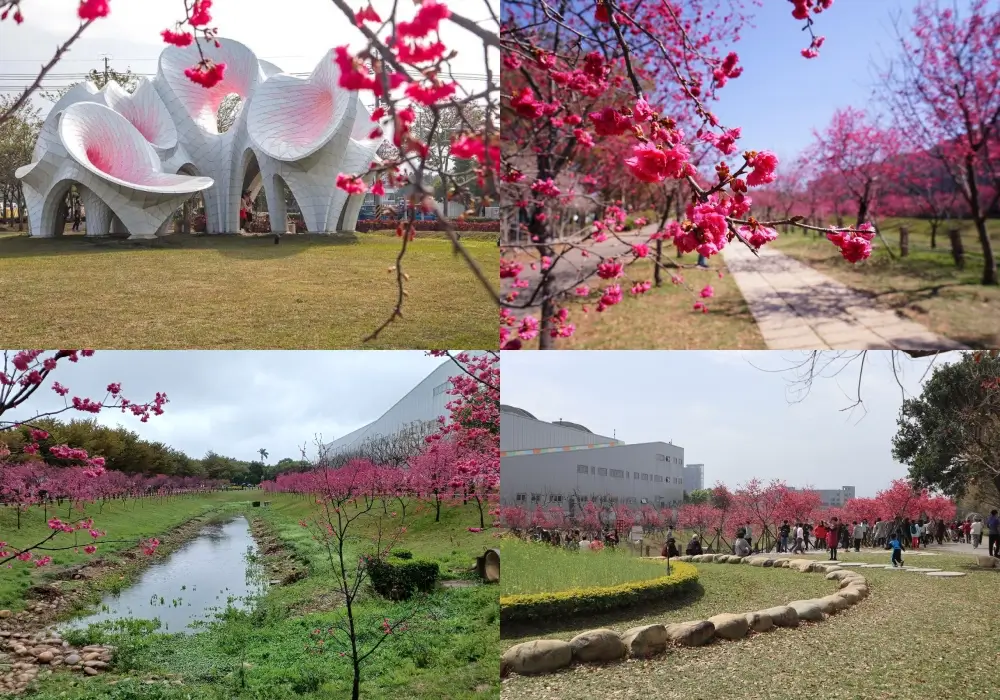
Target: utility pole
107,68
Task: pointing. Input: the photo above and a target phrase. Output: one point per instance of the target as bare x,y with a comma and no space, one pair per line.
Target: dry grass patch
664,318
241,292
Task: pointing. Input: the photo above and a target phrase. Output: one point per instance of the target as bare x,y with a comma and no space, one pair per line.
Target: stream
190,585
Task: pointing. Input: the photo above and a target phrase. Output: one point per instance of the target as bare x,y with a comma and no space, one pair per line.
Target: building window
555,498
627,475
521,497
535,497
630,501
441,388
661,458
658,478
593,470
618,473
582,469
601,471
635,475
645,477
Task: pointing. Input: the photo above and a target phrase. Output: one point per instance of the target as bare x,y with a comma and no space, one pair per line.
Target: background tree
944,93
17,141
950,435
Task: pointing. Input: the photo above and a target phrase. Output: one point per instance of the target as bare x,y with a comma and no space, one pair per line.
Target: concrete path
797,307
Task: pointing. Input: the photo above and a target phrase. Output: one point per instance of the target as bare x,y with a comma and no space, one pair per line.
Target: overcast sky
294,34
726,411
238,402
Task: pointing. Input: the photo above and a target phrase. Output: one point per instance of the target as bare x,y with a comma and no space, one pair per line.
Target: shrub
489,225
399,580
587,601
402,554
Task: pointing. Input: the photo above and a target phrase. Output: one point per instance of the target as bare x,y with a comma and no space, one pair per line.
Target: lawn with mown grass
184,291
449,648
536,567
665,317
914,637
925,286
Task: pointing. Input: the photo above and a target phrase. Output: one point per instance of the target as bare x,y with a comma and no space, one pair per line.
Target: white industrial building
563,463
418,410
694,477
833,497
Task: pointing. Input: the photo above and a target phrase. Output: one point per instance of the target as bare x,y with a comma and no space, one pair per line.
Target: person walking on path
897,551
832,537
977,532
993,530
799,538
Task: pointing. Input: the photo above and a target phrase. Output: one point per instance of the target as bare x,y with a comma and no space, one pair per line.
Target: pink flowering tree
630,82
433,471
857,151
22,375
346,505
514,517
474,427
192,28
943,92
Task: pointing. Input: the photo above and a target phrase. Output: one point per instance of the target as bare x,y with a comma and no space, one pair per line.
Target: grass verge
925,286
664,318
214,292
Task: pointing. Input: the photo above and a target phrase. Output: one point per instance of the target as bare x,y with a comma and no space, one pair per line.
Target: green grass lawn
531,567
914,637
664,317
184,291
925,286
449,649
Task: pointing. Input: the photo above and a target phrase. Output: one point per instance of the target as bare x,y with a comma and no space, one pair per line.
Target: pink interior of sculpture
103,140
202,104
291,118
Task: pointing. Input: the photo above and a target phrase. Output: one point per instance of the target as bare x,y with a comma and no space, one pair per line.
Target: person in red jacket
821,534
832,537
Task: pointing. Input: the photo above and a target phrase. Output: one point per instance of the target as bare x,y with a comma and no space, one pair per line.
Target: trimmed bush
399,580
492,225
586,601
402,554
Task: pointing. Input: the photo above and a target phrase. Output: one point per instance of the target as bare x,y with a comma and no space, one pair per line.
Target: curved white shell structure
136,158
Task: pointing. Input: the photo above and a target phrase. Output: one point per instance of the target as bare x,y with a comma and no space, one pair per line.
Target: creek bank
28,648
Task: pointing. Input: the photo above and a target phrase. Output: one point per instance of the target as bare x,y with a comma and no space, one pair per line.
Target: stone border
602,645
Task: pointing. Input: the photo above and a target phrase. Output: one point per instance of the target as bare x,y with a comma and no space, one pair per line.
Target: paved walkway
797,307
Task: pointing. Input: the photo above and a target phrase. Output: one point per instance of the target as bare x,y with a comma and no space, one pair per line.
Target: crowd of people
573,539
897,534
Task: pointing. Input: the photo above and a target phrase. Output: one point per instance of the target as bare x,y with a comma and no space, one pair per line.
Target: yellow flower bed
577,601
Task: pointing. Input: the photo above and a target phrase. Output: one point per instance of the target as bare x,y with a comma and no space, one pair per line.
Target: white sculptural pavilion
136,158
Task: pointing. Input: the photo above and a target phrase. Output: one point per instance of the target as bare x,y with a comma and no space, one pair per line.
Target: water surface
193,583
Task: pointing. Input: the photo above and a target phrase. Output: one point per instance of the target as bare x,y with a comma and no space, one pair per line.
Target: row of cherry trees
32,482
35,483
761,505
611,97
459,463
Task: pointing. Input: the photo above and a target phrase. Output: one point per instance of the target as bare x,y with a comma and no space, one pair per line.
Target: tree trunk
934,228
979,217
989,261
904,242
656,262
957,251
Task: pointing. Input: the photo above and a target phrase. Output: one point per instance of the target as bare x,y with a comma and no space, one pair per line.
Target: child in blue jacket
897,551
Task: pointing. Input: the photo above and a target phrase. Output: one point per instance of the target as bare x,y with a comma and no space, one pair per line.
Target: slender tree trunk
979,217
934,227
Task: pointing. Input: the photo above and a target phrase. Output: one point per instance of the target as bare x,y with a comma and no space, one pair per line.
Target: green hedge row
400,579
587,601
